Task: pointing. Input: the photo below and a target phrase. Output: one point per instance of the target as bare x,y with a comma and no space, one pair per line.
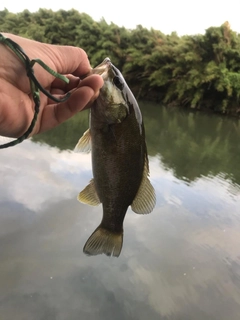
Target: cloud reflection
34,174
179,262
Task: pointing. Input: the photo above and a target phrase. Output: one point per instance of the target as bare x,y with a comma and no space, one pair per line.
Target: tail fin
104,241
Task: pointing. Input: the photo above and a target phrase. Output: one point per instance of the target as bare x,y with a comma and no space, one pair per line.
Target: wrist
10,63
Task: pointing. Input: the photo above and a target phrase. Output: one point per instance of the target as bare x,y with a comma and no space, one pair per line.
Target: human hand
16,103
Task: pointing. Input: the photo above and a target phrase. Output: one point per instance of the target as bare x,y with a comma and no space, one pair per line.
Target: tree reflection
190,143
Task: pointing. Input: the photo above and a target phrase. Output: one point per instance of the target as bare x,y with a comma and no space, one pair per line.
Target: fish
116,139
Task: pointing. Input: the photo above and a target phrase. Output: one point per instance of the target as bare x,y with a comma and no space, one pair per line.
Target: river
181,262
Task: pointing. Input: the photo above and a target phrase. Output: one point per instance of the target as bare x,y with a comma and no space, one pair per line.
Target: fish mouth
106,62
103,68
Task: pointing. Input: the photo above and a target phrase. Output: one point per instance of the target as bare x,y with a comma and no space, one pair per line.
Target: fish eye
118,83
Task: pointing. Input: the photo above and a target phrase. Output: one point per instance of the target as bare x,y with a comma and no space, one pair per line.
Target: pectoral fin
89,195
145,199
84,143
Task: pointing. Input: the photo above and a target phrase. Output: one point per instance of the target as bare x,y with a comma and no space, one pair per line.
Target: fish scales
119,160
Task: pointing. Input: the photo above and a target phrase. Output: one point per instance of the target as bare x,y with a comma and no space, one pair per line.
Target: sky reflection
179,262
36,174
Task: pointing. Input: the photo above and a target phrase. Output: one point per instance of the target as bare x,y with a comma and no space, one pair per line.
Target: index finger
71,60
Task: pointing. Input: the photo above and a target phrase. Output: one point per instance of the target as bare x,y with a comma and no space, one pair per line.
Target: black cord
34,85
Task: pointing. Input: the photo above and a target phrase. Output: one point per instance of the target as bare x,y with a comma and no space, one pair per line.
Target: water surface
180,262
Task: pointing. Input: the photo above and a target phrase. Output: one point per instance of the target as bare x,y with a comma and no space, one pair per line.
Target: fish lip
107,61
105,64
100,69
103,68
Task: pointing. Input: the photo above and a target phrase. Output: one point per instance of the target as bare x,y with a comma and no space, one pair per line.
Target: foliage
198,71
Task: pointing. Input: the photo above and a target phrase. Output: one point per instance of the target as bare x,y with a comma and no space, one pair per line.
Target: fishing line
35,86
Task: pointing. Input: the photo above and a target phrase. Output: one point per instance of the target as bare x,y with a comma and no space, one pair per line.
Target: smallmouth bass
116,138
